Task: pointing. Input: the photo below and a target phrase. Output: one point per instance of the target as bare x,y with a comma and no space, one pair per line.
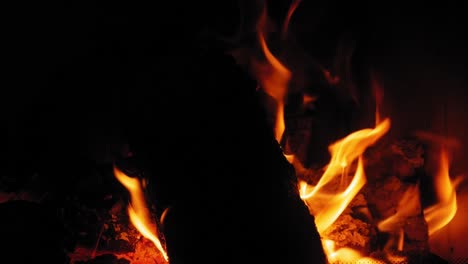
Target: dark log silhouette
214,161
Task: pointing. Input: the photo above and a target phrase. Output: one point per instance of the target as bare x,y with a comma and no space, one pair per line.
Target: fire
440,214
325,200
274,78
326,215
333,192
327,205
138,211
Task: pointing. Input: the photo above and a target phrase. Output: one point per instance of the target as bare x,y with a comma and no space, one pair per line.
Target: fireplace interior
166,93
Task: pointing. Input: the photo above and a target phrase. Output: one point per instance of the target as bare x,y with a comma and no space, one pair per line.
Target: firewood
232,193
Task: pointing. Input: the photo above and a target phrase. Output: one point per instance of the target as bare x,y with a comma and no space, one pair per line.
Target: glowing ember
138,210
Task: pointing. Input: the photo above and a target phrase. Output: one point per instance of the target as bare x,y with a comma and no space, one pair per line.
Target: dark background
76,70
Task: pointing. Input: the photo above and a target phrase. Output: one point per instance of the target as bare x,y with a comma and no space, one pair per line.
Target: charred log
232,194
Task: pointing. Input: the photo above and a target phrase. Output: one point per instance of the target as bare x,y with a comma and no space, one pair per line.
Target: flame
273,78
340,201
346,254
138,211
440,214
291,10
378,92
344,152
409,205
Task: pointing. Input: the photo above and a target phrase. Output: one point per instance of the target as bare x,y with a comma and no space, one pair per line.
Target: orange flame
440,214
275,78
408,206
138,210
291,10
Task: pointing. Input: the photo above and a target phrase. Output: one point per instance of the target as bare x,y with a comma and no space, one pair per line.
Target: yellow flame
440,214
138,211
346,254
346,150
339,202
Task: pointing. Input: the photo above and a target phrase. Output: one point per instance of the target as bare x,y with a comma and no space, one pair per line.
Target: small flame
287,21
378,91
138,211
409,205
440,214
401,239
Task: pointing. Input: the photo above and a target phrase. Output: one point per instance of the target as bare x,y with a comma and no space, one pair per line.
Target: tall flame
440,214
274,81
138,210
